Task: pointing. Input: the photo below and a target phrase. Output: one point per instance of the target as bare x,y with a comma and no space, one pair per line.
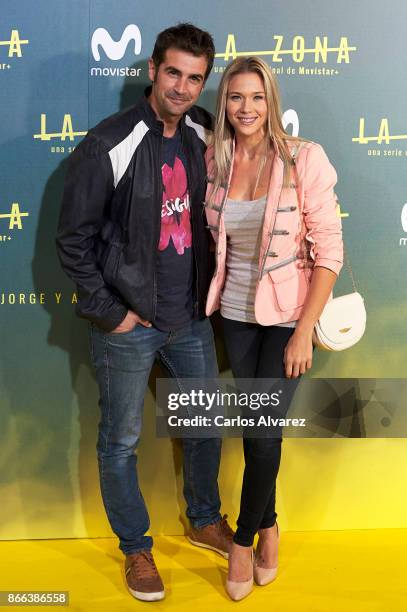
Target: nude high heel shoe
239,590
265,575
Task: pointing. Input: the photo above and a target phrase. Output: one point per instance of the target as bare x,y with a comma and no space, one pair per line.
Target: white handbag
343,320
341,324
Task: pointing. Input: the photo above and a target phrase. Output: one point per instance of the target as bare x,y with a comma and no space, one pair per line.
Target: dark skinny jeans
257,351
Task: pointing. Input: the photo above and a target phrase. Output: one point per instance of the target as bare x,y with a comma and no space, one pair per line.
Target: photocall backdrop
64,66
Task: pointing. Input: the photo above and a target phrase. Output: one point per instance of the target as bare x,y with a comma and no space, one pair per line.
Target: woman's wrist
304,328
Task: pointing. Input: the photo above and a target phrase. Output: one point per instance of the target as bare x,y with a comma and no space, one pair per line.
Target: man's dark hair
185,37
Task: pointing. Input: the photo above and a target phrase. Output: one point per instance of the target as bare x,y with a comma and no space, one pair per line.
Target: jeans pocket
126,333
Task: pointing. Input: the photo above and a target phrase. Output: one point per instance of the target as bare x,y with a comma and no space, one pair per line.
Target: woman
271,208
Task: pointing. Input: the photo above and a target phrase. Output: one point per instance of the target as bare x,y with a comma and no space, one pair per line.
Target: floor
324,571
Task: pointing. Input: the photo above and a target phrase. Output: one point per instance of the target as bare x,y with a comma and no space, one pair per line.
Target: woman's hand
298,353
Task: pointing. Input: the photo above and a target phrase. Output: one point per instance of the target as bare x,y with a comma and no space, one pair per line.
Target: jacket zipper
189,185
155,255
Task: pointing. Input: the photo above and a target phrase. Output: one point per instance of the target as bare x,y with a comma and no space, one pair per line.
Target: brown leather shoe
143,579
217,537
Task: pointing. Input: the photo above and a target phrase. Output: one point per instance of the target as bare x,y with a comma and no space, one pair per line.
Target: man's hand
298,354
129,322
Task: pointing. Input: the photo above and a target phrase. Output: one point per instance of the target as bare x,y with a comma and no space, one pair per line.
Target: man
132,237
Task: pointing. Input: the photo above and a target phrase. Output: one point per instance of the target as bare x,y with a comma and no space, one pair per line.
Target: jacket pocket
291,285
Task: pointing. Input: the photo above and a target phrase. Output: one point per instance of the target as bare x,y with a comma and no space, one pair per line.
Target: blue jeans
123,364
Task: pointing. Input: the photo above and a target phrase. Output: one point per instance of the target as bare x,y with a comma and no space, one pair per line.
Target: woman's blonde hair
224,132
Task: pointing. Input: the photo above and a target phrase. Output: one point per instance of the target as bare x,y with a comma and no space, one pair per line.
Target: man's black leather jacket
109,226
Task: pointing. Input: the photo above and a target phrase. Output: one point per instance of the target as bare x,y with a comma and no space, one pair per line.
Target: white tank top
243,223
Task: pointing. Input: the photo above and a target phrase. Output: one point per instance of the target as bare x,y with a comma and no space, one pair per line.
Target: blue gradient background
48,395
